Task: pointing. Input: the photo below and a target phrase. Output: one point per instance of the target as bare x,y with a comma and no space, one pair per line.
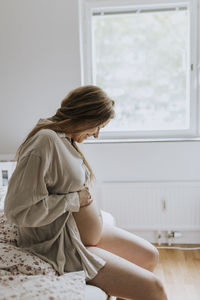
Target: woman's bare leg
124,279
129,246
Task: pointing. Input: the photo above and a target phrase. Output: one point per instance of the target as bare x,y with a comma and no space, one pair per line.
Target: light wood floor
179,270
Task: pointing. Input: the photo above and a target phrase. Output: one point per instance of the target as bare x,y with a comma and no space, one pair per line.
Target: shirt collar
61,134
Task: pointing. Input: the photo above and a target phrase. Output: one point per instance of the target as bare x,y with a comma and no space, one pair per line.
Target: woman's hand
85,197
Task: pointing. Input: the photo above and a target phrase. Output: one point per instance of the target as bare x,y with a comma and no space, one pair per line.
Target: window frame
86,9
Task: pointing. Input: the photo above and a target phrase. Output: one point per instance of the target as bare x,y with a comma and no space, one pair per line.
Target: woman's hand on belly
84,197
89,223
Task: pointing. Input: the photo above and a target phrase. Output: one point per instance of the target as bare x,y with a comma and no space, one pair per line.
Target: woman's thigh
123,279
129,246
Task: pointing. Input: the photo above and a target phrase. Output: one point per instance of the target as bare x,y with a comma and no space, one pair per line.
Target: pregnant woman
49,199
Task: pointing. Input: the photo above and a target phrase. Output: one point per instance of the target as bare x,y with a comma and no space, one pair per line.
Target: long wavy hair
83,108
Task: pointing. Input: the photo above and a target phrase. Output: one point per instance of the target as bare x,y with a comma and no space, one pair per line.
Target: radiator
152,205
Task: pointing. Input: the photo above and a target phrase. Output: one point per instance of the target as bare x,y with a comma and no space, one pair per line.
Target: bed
25,276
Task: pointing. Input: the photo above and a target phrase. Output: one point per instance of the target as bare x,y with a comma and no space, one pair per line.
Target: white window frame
86,9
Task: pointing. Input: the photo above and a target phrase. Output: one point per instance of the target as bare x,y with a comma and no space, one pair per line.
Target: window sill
142,140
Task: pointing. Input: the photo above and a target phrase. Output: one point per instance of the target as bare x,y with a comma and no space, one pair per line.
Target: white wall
150,188
39,63
153,161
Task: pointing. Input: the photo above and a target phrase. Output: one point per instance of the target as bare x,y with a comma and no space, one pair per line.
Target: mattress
94,293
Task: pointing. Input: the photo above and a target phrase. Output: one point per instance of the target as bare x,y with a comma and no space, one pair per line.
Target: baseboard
188,237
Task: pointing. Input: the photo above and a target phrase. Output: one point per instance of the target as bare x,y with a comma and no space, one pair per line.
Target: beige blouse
42,194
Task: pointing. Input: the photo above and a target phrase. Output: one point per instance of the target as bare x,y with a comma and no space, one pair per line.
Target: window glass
142,61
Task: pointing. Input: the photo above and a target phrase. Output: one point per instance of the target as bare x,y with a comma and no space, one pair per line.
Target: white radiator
151,206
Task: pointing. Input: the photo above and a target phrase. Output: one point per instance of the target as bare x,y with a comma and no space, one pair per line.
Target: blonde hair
83,108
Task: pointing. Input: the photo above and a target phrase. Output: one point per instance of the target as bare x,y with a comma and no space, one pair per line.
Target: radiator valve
173,234
159,237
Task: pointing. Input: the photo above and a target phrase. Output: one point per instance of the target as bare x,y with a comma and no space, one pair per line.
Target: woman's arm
28,203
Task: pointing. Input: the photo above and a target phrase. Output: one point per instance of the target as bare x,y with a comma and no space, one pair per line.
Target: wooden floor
179,270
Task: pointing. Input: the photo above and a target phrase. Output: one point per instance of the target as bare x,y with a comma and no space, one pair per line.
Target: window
143,54
4,177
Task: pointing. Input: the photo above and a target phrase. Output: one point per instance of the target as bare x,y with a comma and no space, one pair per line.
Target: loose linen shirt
42,195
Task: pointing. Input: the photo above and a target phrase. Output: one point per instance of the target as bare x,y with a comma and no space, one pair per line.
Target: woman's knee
152,257
157,291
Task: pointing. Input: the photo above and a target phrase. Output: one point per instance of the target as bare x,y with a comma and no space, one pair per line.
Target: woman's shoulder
42,142
45,142
44,137
49,136
47,133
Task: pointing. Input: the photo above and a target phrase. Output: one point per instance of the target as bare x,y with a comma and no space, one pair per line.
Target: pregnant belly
89,223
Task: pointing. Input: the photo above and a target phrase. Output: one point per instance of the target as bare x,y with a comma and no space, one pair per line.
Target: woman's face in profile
83,135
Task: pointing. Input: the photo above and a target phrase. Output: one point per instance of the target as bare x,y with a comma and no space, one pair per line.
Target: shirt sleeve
28,202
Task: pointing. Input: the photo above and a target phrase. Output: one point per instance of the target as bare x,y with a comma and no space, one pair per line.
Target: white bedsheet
24,276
